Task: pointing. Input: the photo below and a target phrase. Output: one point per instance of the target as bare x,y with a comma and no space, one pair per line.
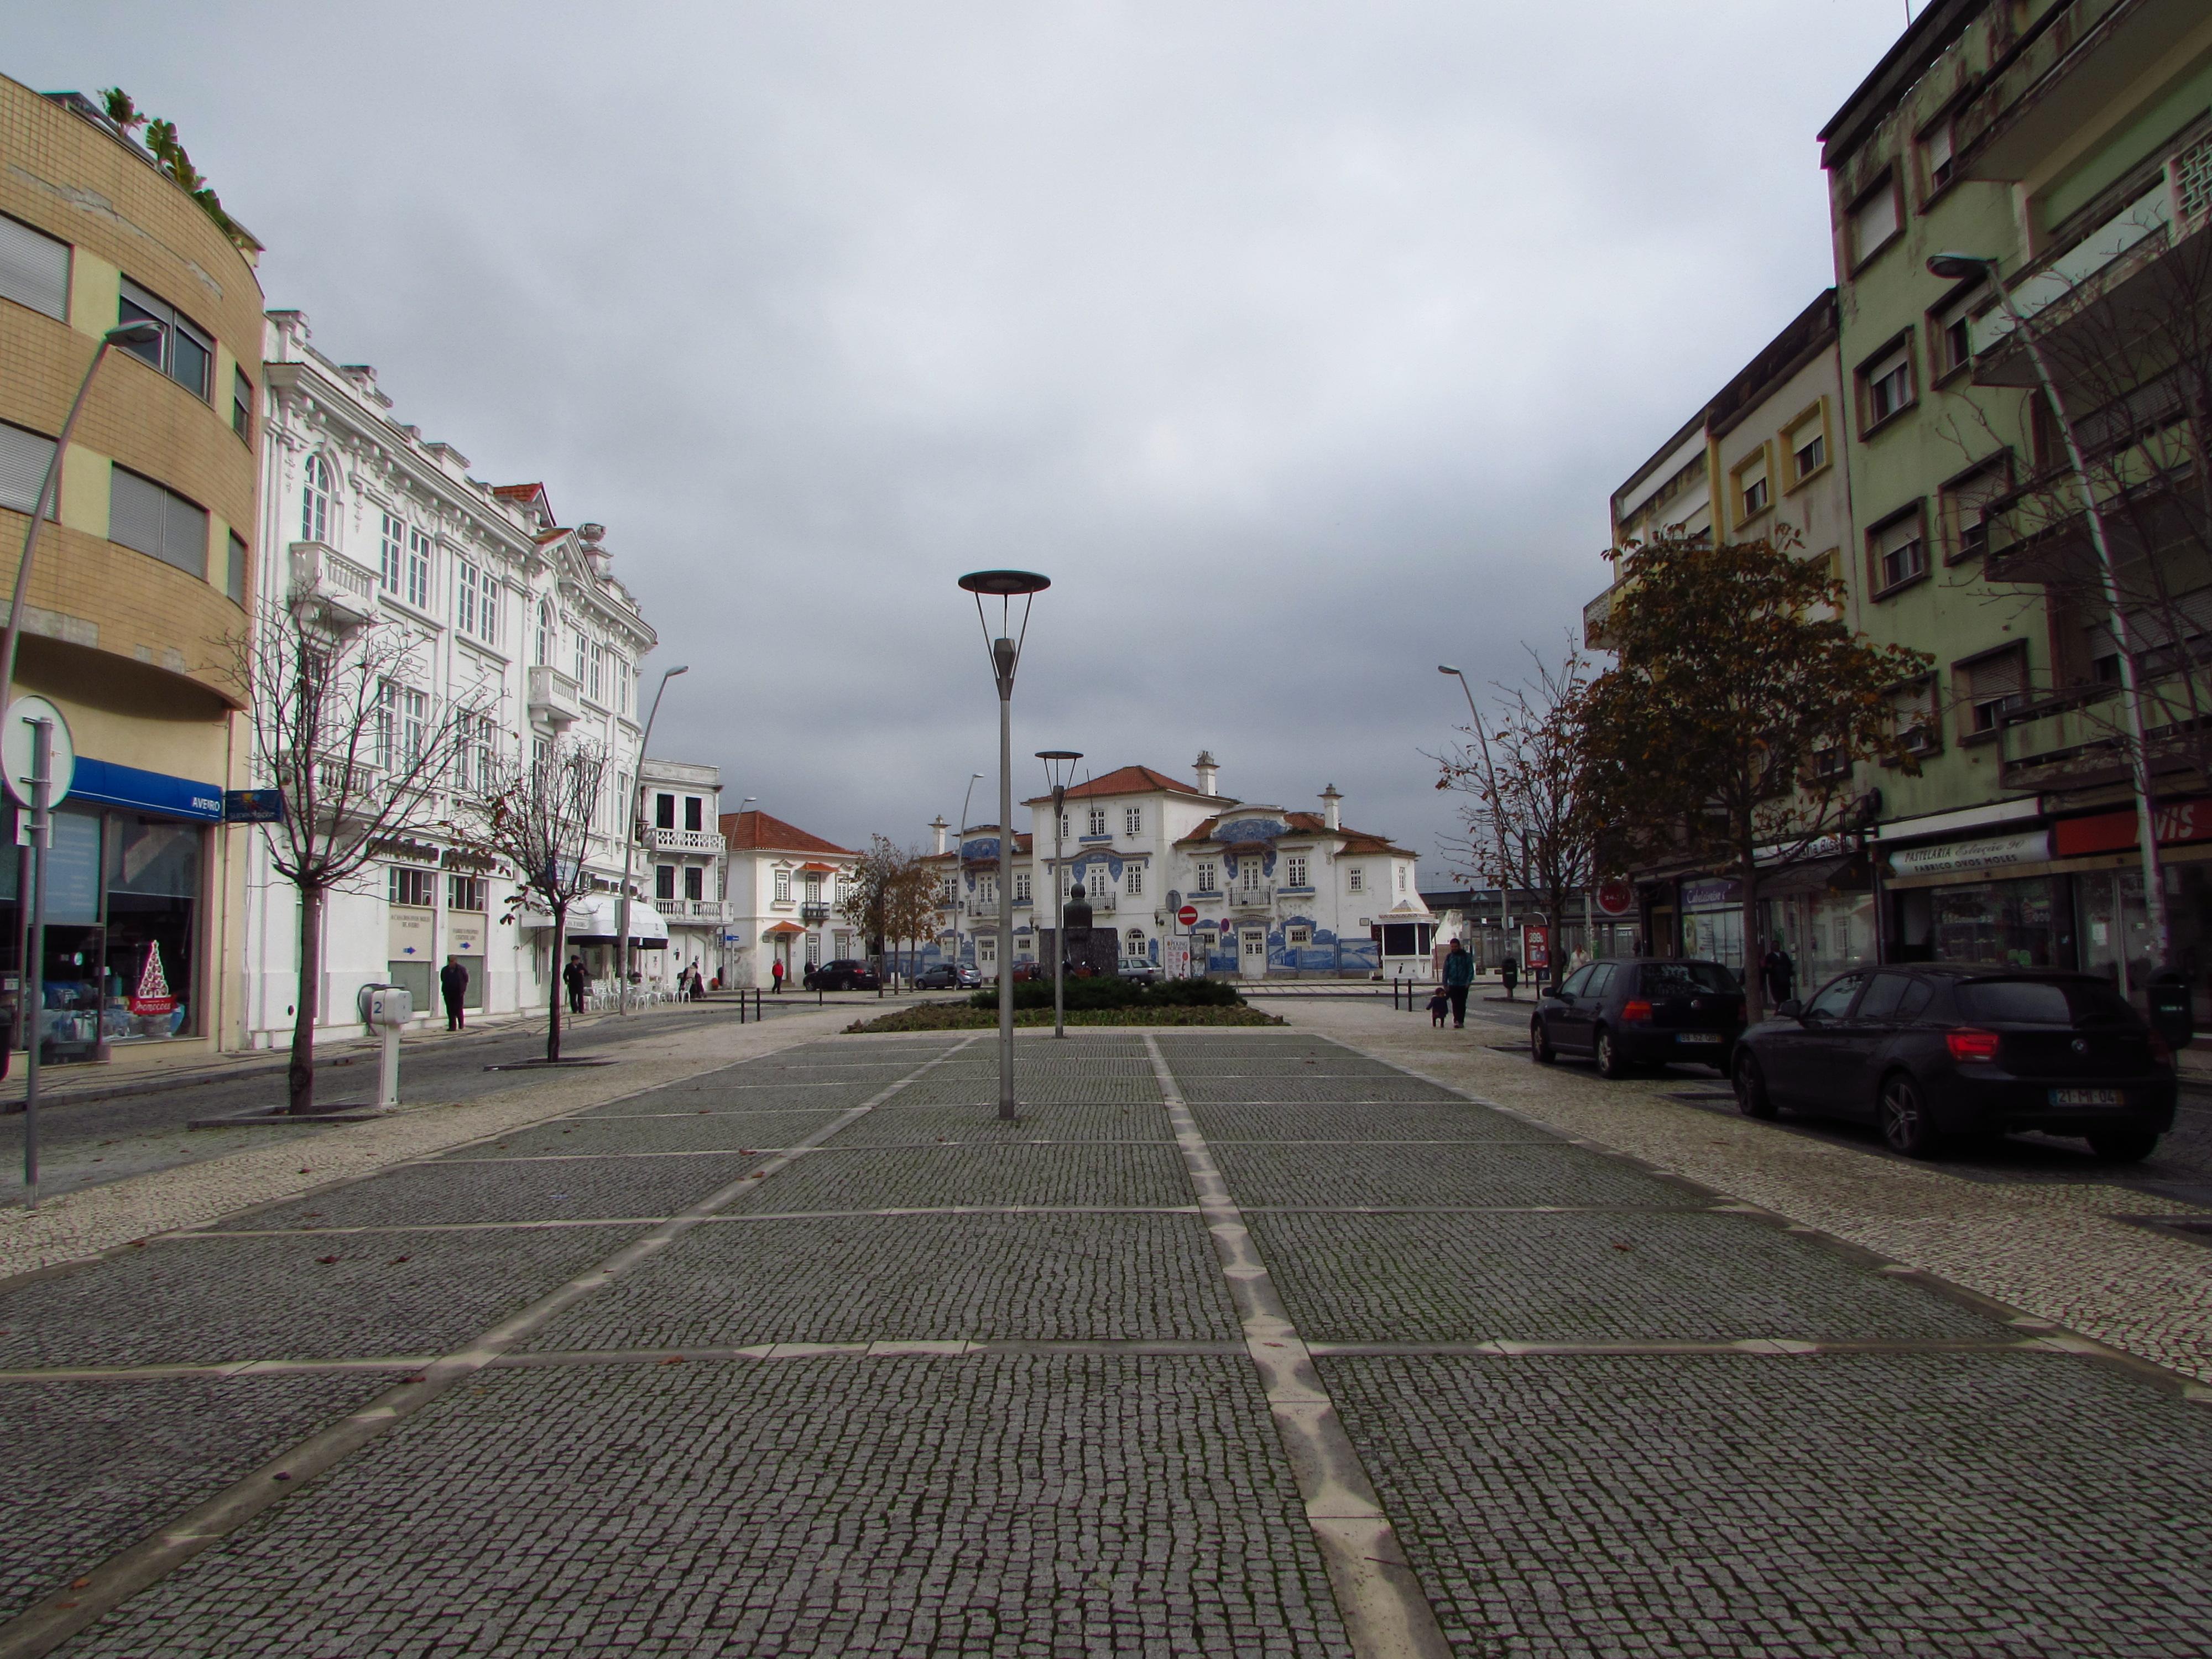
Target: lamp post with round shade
1006,649
1058,768
1963,267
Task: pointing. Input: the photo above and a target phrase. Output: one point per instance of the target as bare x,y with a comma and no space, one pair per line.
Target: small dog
1439,1005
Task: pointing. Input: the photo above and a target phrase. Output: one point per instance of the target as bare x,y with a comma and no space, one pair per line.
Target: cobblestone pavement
1235,1343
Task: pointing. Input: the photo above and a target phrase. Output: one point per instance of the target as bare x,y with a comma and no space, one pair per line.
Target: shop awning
592,917
1848,871
821,869
784,930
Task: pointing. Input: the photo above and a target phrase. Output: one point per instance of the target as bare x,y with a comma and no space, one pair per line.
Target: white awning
592,917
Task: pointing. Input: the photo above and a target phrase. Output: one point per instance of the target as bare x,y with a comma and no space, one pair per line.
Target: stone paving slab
1474,1174
844,1278
896,1124
1691,1275
615,1137
1046,1505
92,1467
1397,1121
212,1300
417,1194
1285,1089
1990,1507
1034,1087
859,1176
743,1100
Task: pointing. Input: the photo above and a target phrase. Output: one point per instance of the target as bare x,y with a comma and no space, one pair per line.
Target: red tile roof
755,831
1309,824
1131,781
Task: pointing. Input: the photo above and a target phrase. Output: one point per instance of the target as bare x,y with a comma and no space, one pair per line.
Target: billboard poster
1174,956
1536,947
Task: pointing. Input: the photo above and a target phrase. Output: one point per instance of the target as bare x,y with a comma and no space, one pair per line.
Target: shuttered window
35,269
142,514
24,458
1989,687
1874,221
235,580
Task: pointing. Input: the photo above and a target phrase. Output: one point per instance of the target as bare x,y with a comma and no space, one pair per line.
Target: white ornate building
784,885
379,522
1276,892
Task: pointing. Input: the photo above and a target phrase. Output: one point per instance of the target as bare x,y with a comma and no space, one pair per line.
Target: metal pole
629,844
1002,656
1059,921
1498,822
34,990
2130,693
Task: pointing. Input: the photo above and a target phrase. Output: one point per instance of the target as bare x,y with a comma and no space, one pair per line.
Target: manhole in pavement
2192,1229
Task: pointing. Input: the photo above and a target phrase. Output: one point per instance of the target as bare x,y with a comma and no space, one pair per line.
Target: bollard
388,1009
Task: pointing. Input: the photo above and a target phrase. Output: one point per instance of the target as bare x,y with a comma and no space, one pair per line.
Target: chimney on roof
1329,797
1209,773
603,562
937,828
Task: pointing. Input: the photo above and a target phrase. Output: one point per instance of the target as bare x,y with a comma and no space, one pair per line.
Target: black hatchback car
1934,1053
842,974
1640,1011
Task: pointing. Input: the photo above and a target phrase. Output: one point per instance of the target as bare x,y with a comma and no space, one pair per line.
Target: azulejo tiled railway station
1237,1342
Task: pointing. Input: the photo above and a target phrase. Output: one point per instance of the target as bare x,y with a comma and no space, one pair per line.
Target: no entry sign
1188,915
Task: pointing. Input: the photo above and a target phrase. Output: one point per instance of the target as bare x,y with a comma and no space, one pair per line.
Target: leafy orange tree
1728,732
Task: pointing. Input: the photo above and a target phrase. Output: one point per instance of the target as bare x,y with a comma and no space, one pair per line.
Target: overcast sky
1300,344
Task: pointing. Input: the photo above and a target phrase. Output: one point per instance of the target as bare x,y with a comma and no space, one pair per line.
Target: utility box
2171,1015
389,1005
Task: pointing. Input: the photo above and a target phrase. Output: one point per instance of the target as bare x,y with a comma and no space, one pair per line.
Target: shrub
1084,993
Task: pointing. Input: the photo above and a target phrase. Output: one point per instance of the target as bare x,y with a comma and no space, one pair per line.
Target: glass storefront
1712,922
2115,928
123,925
1824,932
2022,923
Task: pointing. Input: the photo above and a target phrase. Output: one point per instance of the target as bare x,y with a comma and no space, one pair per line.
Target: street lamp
960,858
1497,821
144,331
1962,267
629,843
1058,769
1006,649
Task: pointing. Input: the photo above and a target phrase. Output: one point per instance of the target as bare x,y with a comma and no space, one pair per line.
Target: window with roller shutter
1989,687
159,522
35,269
24,458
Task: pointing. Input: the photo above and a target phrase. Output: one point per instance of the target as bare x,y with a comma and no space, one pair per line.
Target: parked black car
1934,1053
1640,1011
842,974
947,976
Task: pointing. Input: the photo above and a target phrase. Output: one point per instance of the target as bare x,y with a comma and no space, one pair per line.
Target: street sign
15,750
1188,915
1615,896
254,806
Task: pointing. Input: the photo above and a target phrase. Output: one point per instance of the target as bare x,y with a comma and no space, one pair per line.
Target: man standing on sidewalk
1459,975
575,978
452,982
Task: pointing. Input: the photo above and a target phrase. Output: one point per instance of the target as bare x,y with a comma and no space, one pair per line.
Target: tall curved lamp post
1058,769
1006,649
960,858
1490,781
1960,267
630,842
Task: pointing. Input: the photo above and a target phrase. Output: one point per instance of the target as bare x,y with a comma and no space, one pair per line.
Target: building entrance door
1252,956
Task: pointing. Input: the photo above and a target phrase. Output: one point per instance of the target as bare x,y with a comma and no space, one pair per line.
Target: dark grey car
1640,1011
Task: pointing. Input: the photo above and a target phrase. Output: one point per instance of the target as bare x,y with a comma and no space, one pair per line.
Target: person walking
1779,972
1459,975
452,984
775,976
573,977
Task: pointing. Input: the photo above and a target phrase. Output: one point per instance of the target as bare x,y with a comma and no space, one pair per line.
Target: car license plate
2084,1098
1697,1036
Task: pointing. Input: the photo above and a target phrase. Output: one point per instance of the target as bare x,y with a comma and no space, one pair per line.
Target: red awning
821,869
783,930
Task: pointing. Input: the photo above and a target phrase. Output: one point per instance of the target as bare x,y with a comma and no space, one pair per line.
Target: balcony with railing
325,580
1258,896
683,840
690,909
554,696
813,913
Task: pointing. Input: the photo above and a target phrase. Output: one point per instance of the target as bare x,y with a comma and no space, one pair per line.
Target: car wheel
1609,1062
1904,1114
1540,1045
1751,1096
2123,1146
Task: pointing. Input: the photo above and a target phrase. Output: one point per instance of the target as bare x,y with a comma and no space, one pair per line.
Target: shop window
411,887
1897,552
24,458
1874,220
35,269
1963,508
151,945
185,352
1991,687
143,515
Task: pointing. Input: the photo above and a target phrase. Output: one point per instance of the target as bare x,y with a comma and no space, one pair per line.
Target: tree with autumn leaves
1730,728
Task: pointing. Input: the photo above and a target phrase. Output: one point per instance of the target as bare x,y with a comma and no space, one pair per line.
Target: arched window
316,501
546,633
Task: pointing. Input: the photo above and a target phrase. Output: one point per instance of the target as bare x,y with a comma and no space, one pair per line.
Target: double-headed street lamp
1006,649
1963,267
630,842
1058,769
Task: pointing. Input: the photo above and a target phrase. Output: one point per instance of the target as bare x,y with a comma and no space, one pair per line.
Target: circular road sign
1188,915
1615,896
15,750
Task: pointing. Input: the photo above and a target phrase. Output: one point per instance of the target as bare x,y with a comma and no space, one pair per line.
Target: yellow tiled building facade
138,592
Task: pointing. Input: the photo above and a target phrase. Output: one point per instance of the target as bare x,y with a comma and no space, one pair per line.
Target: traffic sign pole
34,991
1189,917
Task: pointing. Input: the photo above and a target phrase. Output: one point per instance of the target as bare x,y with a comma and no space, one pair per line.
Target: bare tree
910,901
535,812
360,754
1527,816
